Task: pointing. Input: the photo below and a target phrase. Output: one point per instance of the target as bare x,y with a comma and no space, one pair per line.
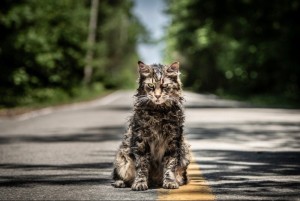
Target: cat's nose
157,96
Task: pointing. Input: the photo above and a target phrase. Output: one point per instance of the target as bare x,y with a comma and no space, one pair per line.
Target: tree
91,41
241,47
43,48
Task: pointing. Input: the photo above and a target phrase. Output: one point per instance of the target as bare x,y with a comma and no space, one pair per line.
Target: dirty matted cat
153,152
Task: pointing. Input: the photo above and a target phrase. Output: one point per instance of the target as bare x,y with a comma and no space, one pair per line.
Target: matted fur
153,151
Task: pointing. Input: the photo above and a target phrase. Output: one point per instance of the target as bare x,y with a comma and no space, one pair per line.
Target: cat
153,152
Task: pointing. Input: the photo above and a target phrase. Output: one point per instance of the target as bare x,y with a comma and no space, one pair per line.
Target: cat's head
159,84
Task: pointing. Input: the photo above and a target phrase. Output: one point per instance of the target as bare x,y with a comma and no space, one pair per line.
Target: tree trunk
88,69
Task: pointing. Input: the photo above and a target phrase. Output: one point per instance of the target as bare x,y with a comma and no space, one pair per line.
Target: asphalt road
243,153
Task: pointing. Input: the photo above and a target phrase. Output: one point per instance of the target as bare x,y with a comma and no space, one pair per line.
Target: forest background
239,49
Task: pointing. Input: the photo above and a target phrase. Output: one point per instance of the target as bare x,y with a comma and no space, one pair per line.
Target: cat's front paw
139,186
119,184
170,185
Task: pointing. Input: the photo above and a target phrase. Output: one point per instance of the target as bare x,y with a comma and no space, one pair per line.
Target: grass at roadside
264,100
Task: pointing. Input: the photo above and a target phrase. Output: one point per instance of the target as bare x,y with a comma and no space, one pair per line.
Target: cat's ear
143,69
173,69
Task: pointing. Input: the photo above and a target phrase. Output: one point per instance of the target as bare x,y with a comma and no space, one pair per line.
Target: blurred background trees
235,48
44,43
244,48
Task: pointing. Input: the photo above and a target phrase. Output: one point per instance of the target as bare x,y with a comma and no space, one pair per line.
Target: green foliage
239,47
116,53
44,44
39,98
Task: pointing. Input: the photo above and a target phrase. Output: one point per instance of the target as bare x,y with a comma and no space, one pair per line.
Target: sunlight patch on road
196,189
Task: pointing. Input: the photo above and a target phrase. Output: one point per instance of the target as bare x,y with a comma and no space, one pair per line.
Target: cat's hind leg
118,183
124,170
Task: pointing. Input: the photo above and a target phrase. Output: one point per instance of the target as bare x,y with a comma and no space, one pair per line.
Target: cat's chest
158,139
155,119
158,146
157,125
158,129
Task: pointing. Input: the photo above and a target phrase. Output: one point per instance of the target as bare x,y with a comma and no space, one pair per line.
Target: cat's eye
166,86
150,85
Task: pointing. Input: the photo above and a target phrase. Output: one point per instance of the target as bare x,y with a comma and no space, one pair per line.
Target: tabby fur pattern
153,152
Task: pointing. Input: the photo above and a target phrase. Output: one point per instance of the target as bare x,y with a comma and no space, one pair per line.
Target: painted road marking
196,189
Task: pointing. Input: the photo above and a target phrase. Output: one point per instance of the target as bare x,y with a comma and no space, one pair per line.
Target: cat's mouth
158,101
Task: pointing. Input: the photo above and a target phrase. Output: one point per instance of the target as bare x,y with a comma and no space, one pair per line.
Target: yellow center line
196,189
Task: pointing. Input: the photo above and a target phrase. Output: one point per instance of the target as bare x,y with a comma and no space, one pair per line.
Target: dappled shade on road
87,174
93,134
249,160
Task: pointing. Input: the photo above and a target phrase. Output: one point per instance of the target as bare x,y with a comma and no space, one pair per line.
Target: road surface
239,152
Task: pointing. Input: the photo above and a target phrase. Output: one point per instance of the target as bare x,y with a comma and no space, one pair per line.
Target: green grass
50,97
264,100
